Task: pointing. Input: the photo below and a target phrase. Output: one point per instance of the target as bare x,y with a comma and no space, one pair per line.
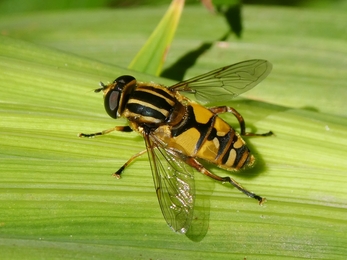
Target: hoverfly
180,133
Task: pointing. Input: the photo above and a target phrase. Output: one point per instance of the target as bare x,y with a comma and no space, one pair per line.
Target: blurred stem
151,57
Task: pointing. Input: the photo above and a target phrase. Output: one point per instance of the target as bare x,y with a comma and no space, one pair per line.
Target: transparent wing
174,185
226,82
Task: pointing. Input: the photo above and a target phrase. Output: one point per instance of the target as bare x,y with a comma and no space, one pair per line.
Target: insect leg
224,109
121,169
116,128
194,163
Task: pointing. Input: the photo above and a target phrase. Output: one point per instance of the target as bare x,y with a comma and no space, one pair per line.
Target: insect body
180,133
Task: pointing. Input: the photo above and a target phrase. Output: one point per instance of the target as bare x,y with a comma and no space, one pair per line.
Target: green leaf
151,57
58,198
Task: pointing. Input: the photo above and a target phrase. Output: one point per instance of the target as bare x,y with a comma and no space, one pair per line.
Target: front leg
121,129
116,128
224,109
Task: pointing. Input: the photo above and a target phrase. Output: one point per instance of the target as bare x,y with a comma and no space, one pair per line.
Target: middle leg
121,169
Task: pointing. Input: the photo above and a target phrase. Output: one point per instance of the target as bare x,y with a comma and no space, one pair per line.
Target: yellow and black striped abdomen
149,104
206,136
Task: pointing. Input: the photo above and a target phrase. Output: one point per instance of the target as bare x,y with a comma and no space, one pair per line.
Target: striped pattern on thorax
150,103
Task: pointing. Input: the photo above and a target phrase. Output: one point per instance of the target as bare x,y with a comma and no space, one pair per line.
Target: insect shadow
201,217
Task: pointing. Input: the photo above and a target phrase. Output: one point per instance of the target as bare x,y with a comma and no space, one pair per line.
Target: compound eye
111,103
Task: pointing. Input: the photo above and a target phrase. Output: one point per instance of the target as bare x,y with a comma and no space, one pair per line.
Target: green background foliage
57,196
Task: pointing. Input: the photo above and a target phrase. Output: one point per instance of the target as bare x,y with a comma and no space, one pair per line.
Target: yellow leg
116,128
121,169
